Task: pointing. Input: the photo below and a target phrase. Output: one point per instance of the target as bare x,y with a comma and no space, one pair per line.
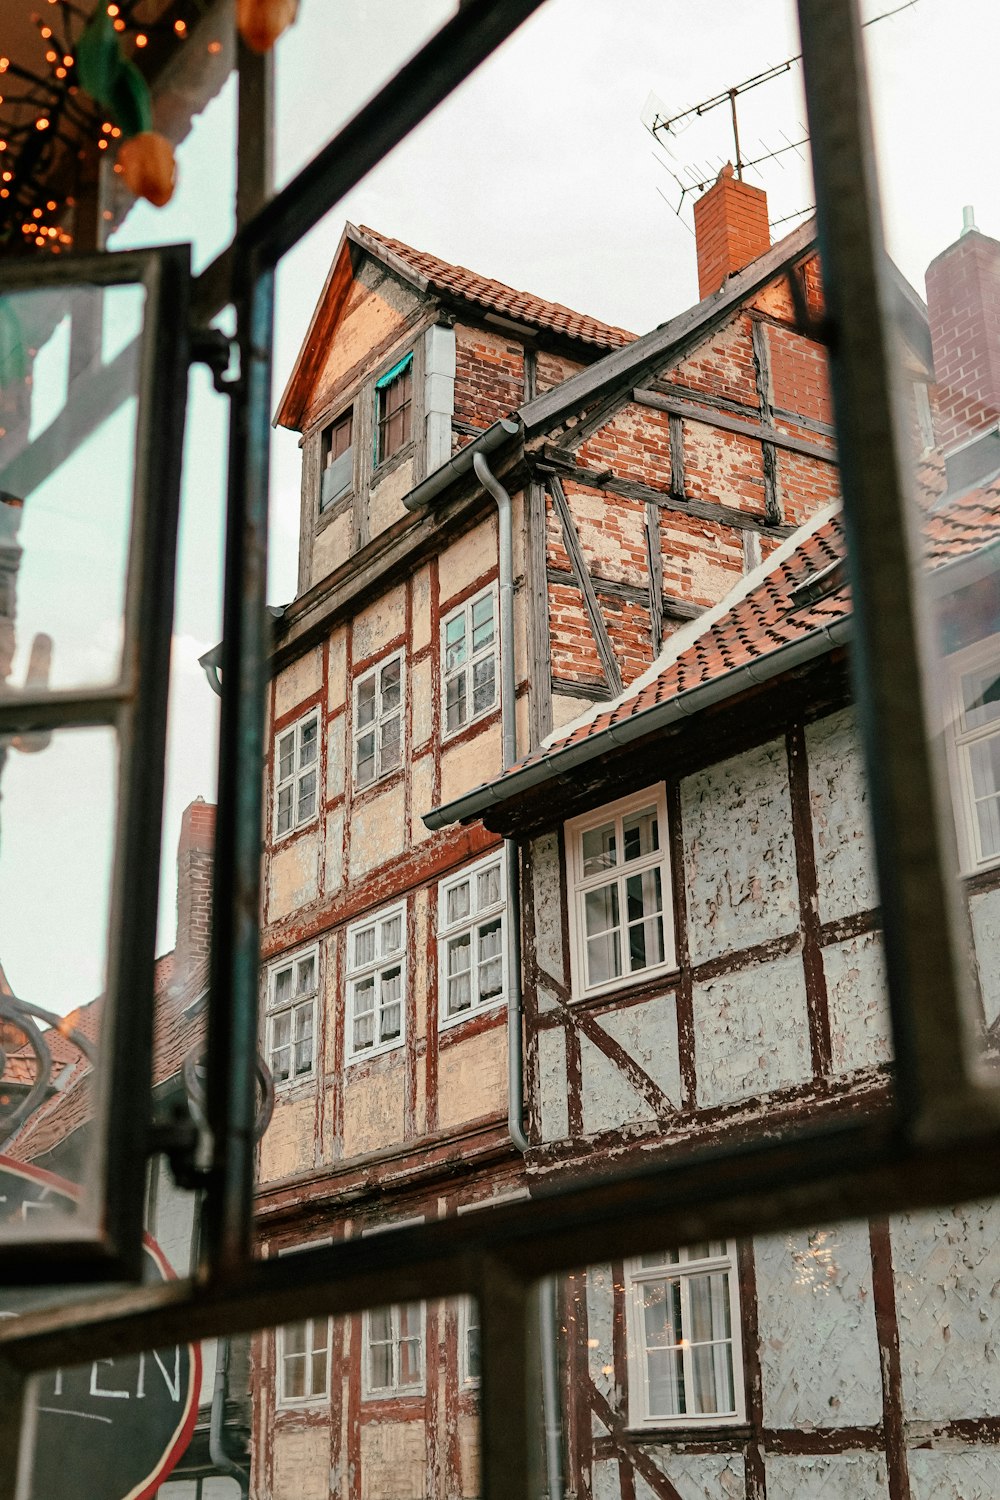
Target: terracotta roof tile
496,297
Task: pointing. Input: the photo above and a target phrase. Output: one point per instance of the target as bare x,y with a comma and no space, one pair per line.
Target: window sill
491,1007
664,974
396,1393
294,1088
291,833
656,1430
334,510
384,1050
382,783
290,1406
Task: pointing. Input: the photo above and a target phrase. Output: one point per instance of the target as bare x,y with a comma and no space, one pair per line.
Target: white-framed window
470,665
620,910
469,1346
378,721
974,719
392,1340
684,1349
472,959
303,1354
376,982
296,769
292,989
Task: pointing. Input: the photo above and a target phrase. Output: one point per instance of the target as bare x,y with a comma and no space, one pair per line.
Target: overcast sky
539,172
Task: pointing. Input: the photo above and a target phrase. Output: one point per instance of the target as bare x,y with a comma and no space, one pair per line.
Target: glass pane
307,796
308,742
306,974
454,642
286,756
364,946
482,623
391,686
490,960
456,707
483,685
601,908
458,902
980,698
366,700
640,834
391,935
66,518
489,892
366,759
282,982
390,747
599,850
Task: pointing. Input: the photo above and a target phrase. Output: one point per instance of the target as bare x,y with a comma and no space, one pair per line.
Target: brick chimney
963,304
194,888
730,229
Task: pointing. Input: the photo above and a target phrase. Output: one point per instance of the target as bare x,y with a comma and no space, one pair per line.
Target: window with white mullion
469,661
471,939
976,727
620,912
684,1343
378,721
295,775
291,1018
304,1350
376,970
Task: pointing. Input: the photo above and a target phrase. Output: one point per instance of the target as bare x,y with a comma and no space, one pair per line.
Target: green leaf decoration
13,360
98,56
131,105
110,78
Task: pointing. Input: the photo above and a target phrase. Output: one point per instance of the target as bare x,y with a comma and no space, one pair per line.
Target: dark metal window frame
105,1240
940,1143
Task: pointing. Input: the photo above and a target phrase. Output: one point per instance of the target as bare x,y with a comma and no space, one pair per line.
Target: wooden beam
536,589
567,687
632,593
552,460
739,425
571,541
654,563
769,456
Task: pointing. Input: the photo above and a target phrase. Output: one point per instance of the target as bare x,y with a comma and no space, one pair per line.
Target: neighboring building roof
495,296
795,606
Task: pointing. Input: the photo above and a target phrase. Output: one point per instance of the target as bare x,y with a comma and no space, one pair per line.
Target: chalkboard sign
113,1429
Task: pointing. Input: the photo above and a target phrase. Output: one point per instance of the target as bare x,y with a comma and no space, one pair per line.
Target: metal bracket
212,347
178,1136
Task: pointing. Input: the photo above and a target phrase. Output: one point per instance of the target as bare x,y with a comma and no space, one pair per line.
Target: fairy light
112,10
102,144
107,127
4,64
46,33
115,133
181,28
60,72
51,205
119,25
141,39
42,124
8,177
67,61
37,212
51,56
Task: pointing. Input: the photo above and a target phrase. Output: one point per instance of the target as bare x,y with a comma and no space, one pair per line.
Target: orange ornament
148,167
261,22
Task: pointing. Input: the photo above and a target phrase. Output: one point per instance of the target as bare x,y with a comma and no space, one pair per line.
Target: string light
42,124
141,39
180,28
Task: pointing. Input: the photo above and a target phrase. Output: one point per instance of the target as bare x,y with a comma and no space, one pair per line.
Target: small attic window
338,460
393,406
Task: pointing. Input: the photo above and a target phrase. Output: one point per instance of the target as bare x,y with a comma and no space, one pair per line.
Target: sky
538,171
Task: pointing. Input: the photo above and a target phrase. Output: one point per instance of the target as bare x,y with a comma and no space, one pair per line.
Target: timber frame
939,1142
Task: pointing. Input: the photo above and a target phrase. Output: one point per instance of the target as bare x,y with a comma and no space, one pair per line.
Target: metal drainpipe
547,1309
216,1447
508,711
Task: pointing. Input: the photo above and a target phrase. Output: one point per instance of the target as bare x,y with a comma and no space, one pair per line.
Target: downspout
547,1289
508,722
216,1447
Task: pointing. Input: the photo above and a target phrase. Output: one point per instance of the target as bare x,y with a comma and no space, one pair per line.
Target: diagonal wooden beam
585,584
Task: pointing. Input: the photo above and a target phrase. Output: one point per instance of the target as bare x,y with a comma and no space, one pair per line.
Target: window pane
455,705
458,969
645,937
599,849
490,960
286,756
282,986
284,819
640,834
488,887
307,750
294,1338
391,686
484,691
604,959
601,908
304,1022
458,902
391,1022
307,796
712,1379
665,1372
364,946
366,700
366,759
318,1373
295,1377
981,697
306,974
379,1366
454,642
281,1030
482,622
988,816
390,747
392,935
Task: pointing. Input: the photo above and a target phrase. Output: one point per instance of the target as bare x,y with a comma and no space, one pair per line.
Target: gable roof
794,607
428,273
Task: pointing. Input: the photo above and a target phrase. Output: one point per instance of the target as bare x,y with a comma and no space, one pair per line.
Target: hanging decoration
87,95
261,22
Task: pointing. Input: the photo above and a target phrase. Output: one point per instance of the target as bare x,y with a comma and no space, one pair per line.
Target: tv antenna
695,178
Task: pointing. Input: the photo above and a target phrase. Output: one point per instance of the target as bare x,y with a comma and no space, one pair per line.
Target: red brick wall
723,365
731,229
963,301
489,376
799,378
552,369
635,444
805,486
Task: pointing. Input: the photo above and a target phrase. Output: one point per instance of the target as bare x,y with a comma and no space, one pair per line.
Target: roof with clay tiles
496,296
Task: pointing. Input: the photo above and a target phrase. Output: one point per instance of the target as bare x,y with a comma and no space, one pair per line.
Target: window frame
392,1392
959,742
355,972
402,369
465,609
475,918
636,1277
297,774
283,1402
578,886
326,436
375,724
291,1006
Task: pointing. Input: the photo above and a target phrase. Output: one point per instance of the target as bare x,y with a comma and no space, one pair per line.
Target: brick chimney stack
730,229
963,303
194,888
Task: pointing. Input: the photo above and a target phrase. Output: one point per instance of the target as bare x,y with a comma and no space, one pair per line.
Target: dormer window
338,460
393,408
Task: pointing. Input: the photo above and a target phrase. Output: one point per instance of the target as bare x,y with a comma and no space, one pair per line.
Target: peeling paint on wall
600,1335
648,1033
298,681
985,913
739,853
552,1084
842,1476
302,1463
858,1001
293,876
818,1343
751,1031
548,900
838,794
947,1268
954,1474
472,1078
